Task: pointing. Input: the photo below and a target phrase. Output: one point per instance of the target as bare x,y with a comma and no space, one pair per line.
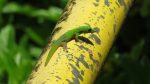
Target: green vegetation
25,26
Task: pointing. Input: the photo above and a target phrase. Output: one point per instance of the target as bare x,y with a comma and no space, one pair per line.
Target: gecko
66,37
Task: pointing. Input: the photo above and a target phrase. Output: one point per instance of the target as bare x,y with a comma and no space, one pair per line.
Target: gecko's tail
46,62
48,58
50,54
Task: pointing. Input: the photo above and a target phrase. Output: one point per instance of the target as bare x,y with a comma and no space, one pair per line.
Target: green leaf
35,51
137,50
144,10
11,8
7,51
7,37
14,58
34,36
2,3
24,41
53,13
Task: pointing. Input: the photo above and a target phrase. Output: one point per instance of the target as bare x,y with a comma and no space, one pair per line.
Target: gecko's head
87,29
95,29
91,30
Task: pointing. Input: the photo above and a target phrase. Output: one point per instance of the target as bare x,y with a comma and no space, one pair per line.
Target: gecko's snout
93,30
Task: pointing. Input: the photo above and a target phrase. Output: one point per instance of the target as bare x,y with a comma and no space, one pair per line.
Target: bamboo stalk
82,61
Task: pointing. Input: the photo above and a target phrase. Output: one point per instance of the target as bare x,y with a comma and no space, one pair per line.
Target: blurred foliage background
25,26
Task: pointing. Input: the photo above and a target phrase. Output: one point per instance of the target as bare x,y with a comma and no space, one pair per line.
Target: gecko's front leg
76,37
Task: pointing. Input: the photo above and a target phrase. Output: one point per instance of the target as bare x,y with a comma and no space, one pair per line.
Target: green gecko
66,37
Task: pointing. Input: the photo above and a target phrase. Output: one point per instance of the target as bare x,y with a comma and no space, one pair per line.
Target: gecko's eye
89,30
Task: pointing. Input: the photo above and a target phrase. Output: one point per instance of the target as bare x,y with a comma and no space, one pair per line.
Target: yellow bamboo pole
82,61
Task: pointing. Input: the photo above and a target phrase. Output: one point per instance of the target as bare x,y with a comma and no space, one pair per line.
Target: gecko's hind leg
64,45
